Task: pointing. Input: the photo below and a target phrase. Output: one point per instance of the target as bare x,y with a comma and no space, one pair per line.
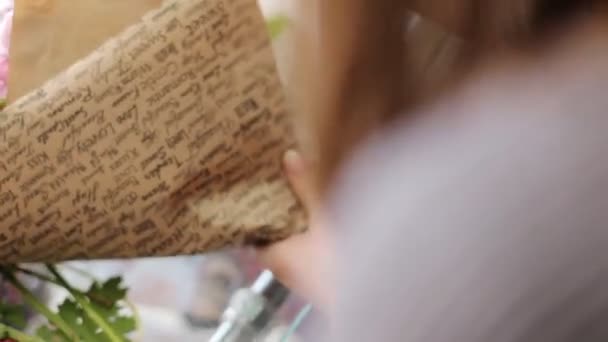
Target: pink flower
3,76
6,23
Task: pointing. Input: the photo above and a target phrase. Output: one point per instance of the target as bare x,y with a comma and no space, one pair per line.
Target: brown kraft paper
165,140
50,35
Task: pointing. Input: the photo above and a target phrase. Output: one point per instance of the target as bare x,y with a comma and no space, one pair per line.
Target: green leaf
94,315
15,319
277,25
108,293
124,324
73,315
13,315
51,335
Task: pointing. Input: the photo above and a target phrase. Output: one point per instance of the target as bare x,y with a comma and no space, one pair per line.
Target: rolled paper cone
166,140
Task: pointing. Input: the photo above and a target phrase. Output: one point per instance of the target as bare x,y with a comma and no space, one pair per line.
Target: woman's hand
304,263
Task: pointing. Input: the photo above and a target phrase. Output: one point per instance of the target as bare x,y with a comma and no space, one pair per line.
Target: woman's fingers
291,260
301,262
297,171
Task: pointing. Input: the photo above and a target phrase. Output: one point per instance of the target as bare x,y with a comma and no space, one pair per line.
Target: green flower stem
128,303
6,331
30,299
83,302
80,271
38,275
45,278
51,280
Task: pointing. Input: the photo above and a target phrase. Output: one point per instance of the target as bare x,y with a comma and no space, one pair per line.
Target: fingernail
293,161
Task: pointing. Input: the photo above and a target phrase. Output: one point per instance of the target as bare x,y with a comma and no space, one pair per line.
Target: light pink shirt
486,219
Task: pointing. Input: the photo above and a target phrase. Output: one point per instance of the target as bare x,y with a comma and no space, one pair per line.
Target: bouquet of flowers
99,312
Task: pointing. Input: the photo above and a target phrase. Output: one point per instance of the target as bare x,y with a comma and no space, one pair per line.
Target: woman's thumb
298,173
